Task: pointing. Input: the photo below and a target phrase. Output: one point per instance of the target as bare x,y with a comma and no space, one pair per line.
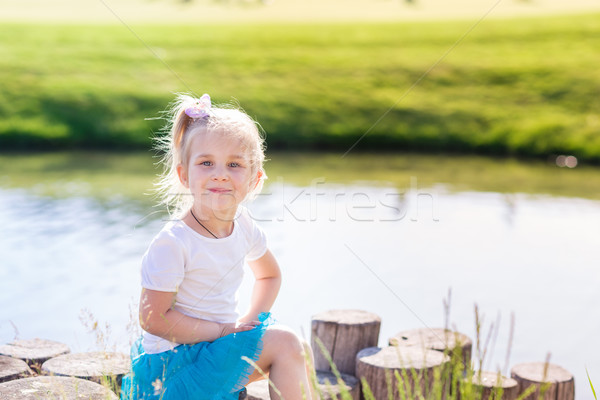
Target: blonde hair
225,120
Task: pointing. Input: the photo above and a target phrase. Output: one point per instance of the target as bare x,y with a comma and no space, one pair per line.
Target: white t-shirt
204,272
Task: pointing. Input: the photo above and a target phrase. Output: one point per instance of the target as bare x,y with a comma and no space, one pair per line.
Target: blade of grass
591,385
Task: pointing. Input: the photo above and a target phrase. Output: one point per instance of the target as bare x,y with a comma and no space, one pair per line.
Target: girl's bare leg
283,357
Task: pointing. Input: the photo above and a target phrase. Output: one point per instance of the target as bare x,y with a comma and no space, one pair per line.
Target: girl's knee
286,343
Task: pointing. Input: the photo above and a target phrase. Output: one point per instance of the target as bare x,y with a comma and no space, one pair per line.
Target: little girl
195,345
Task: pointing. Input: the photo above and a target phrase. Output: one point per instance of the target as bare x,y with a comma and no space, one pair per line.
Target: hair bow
200,109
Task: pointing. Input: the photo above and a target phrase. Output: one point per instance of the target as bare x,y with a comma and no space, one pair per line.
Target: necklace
202,225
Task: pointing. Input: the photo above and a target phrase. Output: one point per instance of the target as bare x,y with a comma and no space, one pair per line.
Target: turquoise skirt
205,370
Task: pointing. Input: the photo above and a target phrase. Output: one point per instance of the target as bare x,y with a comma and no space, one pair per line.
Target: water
382,234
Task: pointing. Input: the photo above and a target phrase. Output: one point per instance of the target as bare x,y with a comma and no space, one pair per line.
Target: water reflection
62,255
535,255
116,176
511,208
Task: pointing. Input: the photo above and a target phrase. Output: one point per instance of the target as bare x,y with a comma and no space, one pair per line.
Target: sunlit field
520,86
206,11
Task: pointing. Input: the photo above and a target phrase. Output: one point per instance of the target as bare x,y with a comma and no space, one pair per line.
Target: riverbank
511,87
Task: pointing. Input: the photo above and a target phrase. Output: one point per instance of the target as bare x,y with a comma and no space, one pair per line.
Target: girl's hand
248,318
230,328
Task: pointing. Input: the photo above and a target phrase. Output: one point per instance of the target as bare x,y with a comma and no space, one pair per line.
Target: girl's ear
183,176
259,176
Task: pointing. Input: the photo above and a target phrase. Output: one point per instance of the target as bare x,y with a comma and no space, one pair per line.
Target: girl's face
218,172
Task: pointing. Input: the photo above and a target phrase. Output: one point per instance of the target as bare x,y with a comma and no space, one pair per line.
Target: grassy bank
519,86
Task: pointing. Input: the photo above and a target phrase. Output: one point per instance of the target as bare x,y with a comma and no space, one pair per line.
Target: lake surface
390,234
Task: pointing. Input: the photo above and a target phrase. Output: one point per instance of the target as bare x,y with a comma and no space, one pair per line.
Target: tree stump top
35,350
330,387
438,339
402,357
347,317
88,365
492,380
534,372
12,368
258,390
54,387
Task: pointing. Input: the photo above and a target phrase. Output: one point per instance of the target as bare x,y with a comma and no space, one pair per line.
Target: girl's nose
220,174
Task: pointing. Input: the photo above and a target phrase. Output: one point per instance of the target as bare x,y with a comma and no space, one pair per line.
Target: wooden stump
327,385
55,388
439,339
488,383
343,333
94,366
258,390
34,351
560,382
415,365
332,390
13,368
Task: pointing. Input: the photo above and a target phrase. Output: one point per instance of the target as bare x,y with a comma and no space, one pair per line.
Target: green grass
591,384
516,86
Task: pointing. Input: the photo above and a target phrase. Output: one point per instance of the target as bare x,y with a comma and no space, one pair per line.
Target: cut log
34,351
489,384
258,390
328,386
556,382
415,365
439,339
343,333
13,368
55,388
94,366
332,390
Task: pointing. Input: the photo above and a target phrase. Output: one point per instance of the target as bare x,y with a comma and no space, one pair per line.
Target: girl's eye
234,164
206,163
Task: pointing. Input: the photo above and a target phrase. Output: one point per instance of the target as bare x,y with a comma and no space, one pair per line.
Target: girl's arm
158,318
266,287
